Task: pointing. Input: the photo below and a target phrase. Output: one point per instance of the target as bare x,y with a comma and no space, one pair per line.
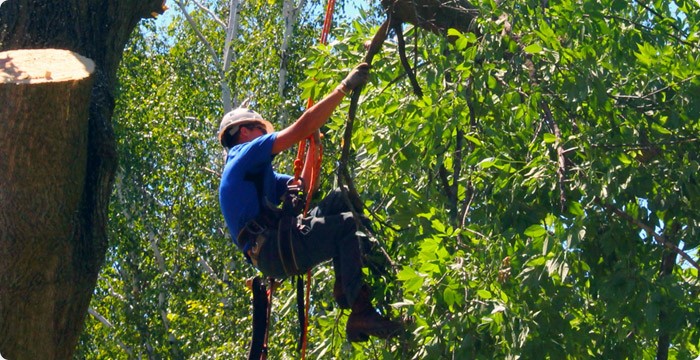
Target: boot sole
357,337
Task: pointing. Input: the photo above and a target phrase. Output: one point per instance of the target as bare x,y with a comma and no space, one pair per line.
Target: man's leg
333,204
332,237
336,236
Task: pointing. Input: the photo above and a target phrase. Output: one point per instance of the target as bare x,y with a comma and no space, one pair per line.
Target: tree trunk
43,139
57,163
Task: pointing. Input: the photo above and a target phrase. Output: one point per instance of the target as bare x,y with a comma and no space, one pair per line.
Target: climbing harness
300,190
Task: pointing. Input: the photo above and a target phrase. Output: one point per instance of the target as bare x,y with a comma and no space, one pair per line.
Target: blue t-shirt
238,194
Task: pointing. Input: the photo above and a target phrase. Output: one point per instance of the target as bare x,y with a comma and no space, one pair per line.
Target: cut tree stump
44,103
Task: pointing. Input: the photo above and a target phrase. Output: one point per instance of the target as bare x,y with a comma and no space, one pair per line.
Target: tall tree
50,268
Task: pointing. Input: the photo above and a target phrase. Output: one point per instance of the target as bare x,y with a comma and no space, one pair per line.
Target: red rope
299,162
316,149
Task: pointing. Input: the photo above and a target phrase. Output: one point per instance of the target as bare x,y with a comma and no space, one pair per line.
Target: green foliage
517,198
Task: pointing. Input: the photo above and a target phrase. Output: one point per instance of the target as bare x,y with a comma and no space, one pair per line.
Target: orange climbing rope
307,165
307,168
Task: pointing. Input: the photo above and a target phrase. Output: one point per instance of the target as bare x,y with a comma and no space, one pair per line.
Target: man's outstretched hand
357,77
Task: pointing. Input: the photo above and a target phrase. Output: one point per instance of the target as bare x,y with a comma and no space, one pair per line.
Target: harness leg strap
260,306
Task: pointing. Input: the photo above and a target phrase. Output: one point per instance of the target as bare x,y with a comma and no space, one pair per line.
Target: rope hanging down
307,168
307,165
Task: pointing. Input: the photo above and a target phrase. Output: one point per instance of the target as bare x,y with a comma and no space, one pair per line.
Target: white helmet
232,121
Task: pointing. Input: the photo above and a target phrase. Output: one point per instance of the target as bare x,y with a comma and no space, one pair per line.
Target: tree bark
434,15
58,161
43,140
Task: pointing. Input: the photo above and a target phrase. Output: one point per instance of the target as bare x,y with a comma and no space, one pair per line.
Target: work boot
339,294
365,321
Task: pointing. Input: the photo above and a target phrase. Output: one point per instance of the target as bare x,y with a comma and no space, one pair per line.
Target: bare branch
645,28
208,268
108,324
649,95
195,27
662,18
290,13
211,13
561,159
398,29
231,30
659,238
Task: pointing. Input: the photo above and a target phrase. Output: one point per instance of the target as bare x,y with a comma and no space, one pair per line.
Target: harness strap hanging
258,346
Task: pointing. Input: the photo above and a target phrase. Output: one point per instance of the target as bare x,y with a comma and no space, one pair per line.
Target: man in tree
280,244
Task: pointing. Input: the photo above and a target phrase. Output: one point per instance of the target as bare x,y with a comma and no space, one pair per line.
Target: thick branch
196,28
350,194
398,29
434,15
108,324
343,173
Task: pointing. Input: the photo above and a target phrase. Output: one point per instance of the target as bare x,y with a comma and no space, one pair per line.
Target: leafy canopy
529,201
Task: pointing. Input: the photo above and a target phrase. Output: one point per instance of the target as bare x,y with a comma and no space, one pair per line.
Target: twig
561,159
211,13
212,172
659,238
647,96
663,18
644,146
195,28
469,197
400,76
644,27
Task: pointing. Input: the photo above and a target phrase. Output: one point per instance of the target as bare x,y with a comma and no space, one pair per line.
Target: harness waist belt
249,233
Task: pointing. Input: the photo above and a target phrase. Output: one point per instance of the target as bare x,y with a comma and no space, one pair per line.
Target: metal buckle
303,229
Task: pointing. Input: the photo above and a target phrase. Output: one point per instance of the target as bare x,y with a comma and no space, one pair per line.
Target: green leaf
453,32
624,158
484,294
438,225
575,208
535,231
536,261
487,163
646,54
474,140
461,43
533,48
449,296
660,129
412,281
549,138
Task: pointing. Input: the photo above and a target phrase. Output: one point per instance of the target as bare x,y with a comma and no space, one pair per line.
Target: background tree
175,274
522,198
